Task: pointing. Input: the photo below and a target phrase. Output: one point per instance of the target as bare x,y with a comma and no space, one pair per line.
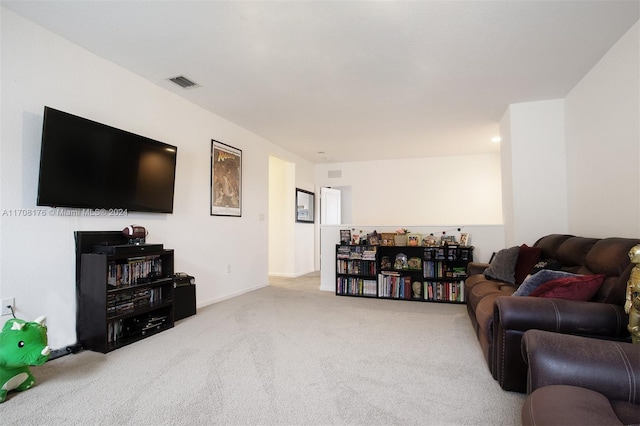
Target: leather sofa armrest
608,367
474,268
560,316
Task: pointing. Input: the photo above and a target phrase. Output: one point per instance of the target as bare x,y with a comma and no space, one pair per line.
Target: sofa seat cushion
627,412
482,289
567,405
473,280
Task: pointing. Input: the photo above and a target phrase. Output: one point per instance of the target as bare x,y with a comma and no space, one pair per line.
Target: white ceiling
355,80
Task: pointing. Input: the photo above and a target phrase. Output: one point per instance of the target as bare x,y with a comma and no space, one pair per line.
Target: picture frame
464,239
387,238
345,236
305,204
226,180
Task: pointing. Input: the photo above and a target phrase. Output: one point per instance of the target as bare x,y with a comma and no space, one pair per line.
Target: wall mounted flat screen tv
85,164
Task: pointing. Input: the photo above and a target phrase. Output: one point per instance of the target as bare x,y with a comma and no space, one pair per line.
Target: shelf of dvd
418,273
356,270
124,298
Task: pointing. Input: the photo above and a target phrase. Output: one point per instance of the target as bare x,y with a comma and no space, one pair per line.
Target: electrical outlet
8,302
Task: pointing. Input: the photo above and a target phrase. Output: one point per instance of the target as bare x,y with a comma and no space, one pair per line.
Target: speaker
184,296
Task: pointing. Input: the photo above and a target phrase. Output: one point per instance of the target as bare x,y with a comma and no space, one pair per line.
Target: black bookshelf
417,273
122,297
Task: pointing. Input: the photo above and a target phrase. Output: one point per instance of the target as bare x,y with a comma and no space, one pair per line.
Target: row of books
434,269
396,286
122,302
356,252
356,286
135,271
444,291
360,267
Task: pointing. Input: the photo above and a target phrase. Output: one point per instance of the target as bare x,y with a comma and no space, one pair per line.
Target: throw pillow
580,287
546,264
534,281
503,266
527,258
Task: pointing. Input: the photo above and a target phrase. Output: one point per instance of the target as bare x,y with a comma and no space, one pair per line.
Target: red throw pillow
579,287
527,258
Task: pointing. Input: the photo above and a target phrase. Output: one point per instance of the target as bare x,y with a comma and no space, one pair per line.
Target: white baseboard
289,275
202,304
282,275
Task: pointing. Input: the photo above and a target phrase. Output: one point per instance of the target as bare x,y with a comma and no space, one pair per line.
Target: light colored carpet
287,354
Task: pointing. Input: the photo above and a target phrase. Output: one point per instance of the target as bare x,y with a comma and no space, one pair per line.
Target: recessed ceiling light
496,139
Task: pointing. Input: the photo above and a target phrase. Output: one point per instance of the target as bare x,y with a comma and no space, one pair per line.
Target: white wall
281,230
533,161
507,177
603,144
37,264
425,191
573,165
421,194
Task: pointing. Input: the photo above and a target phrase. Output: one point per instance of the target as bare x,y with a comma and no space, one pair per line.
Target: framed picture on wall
226,180
305,201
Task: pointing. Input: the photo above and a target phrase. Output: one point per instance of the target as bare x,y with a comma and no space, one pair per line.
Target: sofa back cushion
580,255
572,253
610,256
550,243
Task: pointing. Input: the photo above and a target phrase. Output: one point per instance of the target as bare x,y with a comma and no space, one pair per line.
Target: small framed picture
464,239
345,236
387,239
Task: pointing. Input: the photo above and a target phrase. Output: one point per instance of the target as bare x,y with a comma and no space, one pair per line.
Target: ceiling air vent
183,82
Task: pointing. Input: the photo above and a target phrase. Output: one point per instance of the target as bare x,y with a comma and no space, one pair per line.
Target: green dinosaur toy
21,344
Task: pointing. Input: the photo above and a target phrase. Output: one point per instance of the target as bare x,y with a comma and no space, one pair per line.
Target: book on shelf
444,291
394,285
356,286
133,271
369,254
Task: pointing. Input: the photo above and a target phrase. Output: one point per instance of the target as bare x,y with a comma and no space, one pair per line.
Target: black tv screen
85,164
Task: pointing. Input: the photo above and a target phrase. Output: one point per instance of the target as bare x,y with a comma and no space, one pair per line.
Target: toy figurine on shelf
401,261
417,289
430,240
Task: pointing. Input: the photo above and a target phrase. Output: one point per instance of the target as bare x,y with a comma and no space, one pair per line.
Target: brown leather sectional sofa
576,380
500,319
